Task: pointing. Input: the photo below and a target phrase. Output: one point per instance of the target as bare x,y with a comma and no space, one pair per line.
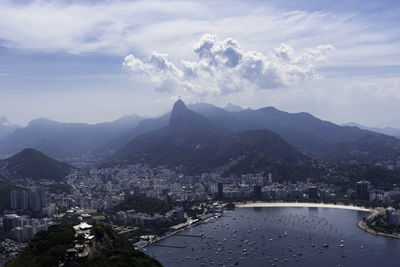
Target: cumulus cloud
158,70
223,67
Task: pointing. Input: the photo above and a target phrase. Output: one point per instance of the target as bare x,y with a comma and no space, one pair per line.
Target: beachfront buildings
393,216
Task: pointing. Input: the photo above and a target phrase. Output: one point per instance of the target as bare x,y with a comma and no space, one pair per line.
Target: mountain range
65,140
231,107
205,131
317,138
395,132
197,144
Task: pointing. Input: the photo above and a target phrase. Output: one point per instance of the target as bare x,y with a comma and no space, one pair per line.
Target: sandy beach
298,204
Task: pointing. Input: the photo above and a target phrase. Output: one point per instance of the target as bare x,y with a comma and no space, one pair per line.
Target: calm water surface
280,237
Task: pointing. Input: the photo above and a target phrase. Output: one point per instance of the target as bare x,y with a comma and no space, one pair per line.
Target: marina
278,236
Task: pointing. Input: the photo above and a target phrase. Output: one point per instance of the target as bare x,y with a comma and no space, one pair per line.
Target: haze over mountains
199,145
202,136
6,127
65,140
395,132
231,107
315,137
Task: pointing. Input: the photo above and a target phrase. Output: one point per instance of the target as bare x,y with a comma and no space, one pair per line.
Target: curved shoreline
361,224
299,205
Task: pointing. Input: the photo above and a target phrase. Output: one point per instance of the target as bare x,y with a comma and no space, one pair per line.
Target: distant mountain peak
178,113
31,163
232,107
179,105
269,109
182,117
391,131
40,122
29,152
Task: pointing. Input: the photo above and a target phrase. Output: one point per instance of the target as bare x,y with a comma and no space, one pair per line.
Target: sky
95,61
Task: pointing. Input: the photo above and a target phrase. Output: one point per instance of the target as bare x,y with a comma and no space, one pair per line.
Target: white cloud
223,67
366,53
118,27
158,70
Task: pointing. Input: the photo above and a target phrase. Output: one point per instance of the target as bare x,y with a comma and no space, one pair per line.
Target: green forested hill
30,163
48,249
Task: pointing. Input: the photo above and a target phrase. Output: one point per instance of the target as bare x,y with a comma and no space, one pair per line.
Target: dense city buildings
257,192
93,195
393,216
220,190
313,192
362,190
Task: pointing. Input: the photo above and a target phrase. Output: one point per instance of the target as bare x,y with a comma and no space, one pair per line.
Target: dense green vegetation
380,177
30,163
118,252
144,204
60,188
4,235
5,190
379,224
48,249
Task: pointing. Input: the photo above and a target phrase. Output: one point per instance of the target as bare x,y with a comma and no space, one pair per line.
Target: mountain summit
232,108
182,117
30,163
198,145
65,140
180,114
184,121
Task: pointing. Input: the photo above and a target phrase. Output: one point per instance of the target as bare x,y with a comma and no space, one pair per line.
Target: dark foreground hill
199,145
30,163
108,249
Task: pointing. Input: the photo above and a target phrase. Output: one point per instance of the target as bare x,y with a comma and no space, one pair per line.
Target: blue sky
93,61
